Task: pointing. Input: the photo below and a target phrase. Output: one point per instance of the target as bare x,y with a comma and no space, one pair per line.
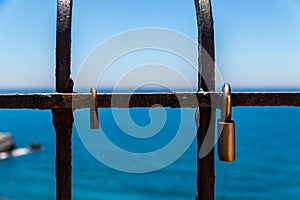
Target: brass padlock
94,110
226,129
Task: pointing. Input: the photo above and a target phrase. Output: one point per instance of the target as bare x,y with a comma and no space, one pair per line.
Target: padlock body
94,119
226,142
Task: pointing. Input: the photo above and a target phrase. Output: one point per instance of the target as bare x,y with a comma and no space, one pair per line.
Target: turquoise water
267,166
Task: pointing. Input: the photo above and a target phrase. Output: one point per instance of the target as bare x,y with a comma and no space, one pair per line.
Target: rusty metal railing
49,101
65,101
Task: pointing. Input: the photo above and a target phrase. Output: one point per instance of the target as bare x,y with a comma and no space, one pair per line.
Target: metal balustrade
64,101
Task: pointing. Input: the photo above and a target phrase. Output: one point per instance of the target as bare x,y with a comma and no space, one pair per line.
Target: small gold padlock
94,124
226,129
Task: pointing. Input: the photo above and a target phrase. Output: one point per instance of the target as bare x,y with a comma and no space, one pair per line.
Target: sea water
267,165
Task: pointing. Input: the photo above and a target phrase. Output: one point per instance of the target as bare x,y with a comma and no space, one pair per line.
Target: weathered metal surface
62,121
206,48
64,101
173,100
206,82
63,118
34,101
265,99
63,46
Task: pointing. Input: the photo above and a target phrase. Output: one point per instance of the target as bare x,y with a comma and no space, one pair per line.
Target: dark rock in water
8,148
6,143
34,147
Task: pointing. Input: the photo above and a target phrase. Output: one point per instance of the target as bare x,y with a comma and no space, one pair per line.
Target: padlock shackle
226,111
94,92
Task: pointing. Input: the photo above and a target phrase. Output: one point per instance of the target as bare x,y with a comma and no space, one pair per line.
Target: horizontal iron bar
104,100
265,99
125,100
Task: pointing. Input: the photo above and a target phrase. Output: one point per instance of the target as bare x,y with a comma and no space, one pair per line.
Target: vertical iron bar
63,46
62,121
206,82
63,118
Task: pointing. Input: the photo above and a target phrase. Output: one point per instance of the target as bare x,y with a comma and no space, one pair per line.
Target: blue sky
257,41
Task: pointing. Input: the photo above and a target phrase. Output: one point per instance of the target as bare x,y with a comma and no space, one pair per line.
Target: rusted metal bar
206,82
78,101
265,99
173,100
206,48
63,46
62,122
63,118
